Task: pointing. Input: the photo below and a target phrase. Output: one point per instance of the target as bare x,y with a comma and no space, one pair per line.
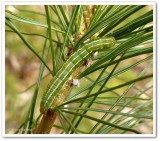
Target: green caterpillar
61,82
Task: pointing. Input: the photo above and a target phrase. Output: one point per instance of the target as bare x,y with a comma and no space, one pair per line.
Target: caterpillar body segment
59,86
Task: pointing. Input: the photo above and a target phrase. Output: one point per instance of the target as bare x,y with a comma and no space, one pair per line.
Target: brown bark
46,123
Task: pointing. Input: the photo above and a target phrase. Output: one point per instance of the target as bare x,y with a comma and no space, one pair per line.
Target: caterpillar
59,86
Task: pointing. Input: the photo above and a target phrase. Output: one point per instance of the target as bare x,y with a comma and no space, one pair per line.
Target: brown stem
46,123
